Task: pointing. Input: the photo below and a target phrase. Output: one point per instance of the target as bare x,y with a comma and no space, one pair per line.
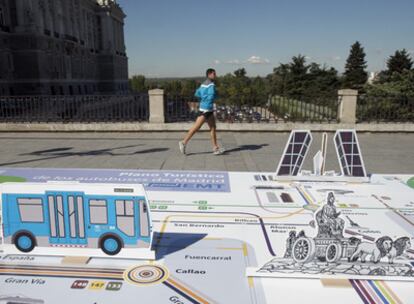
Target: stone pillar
156,106
347,103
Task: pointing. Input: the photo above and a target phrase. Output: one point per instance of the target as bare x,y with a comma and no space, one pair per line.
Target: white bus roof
102,189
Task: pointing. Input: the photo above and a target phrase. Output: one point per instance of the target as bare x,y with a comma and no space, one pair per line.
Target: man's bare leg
198,123
213,134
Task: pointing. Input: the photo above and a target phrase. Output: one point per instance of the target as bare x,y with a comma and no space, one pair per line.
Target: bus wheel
111,245
24,241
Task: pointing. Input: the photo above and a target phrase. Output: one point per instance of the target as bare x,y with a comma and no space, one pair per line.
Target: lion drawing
399,247
377,250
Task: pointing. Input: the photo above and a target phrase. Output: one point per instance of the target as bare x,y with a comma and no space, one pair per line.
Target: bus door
143,219
66,218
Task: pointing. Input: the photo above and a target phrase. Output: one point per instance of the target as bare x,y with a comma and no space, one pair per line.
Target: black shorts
206,115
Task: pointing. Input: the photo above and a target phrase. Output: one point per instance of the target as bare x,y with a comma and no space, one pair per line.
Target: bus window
72,214
143,213
125,216
98,211
53,230
81,220
76,219
61,215
31,210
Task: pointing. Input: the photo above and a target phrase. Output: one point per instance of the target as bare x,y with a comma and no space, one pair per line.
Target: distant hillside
167,79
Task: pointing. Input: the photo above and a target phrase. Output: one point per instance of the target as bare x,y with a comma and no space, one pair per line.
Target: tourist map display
218,235
239,237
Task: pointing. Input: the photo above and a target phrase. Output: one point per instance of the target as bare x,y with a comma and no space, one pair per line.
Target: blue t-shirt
207,94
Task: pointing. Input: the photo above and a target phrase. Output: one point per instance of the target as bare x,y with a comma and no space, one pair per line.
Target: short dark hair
209,71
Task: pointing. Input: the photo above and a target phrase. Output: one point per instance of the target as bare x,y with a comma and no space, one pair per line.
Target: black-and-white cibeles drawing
352,223
377,250
330,252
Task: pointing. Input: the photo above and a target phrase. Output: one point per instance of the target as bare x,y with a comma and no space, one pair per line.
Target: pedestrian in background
206,93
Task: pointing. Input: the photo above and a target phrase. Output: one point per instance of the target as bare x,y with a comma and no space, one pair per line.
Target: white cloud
252,60
326,58
233,61
258,60
322,59
336,58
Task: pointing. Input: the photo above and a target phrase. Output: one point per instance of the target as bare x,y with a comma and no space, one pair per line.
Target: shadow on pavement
153,150
247,148
168,243
237,149
66,152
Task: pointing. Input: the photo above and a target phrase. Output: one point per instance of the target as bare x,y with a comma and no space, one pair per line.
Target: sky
182,38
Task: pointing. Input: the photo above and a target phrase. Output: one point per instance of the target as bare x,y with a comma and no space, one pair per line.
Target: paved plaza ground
383,152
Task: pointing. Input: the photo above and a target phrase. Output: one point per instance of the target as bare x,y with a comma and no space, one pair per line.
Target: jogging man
207,94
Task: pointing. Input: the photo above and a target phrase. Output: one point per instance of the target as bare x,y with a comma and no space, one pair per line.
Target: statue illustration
329,222
291,241
376,251
289,244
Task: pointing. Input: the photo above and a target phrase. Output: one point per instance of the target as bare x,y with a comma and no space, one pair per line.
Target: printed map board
208,236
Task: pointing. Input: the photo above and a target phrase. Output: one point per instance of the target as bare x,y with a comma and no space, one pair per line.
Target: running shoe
219,151
182,147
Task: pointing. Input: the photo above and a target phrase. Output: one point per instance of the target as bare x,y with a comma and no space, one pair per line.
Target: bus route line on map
196,214
140,278
393,209
62,272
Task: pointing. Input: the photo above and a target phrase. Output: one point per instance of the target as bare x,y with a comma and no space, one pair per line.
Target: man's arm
211,93
215,95
197,93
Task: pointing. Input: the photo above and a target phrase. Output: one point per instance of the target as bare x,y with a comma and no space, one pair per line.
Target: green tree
297,83
300,80
138,83
173,87
298,66
398,84
278,79
240,73
399,62
239,89
259,91
393,97
242,84
355,75
226,88
189,87
322,81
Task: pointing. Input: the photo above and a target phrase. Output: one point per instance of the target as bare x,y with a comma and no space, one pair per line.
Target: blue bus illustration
105,216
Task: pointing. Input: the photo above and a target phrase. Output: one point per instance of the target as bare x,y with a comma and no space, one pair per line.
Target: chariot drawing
364,252
329,245
306,249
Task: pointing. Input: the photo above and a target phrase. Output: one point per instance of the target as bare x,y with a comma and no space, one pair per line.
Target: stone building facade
62,47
